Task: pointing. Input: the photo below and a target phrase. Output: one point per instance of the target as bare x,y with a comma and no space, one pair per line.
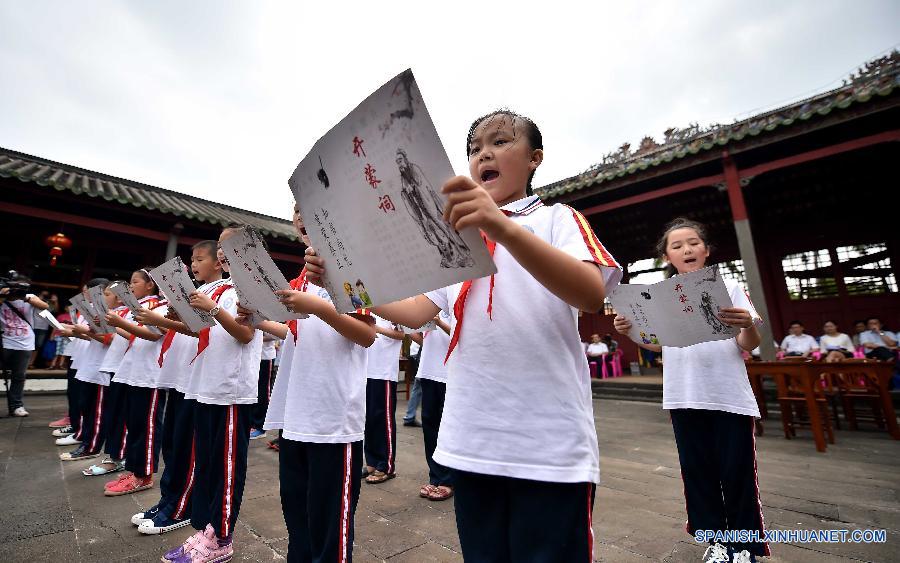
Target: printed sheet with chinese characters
370,196
680,311
174,282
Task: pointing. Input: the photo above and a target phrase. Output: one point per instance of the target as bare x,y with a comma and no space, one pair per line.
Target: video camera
18,288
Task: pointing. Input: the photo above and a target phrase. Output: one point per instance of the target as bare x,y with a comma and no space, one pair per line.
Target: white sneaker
742,557
62,432
68,441
20,411
716,553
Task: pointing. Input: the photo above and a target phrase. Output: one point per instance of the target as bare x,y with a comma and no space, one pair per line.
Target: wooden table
807,373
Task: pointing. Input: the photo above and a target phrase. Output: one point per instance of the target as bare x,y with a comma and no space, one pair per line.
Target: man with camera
16,336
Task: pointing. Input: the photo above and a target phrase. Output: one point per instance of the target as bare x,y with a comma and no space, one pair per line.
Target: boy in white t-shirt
382,374
222,383
527,466
319,405
173,510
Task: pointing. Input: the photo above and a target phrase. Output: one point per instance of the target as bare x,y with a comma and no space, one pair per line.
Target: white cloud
221,100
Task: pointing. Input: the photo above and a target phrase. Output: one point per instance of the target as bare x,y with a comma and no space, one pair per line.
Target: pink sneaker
128,486
114,482
184,549
60,423
208,549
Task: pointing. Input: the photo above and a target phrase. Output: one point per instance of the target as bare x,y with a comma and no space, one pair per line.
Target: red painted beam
733,184
886,137
83,221
640,198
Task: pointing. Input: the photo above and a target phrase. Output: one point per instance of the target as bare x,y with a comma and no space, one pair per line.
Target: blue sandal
99,469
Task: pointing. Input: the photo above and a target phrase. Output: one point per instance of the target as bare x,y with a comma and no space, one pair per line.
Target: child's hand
172,314
315,266
244,315
115,320
469,205
78,329
736,317
622,325
147,317
202,301
300,301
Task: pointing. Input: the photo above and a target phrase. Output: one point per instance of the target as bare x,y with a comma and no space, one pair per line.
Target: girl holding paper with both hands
712,407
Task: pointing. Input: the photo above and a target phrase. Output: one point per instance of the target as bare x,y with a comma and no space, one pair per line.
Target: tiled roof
63,177
879,77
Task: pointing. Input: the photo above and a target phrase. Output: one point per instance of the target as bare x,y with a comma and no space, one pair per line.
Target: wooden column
747,250
172,245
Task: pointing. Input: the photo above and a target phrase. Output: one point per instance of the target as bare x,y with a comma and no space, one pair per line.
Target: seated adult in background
796,343
879,344
835,346
610,343
859,327
596,349
756,353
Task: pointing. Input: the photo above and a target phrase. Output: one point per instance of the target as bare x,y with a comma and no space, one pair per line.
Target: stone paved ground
48,511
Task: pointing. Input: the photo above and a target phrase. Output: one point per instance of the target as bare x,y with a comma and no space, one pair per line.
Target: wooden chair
855,381
792,400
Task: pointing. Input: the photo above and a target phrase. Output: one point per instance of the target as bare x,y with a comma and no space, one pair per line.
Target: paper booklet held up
98,306
173,280
370,195
680,311
256,277
84,308
123,292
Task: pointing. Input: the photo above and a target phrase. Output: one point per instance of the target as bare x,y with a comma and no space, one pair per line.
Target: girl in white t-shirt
144,401
319,404
707,393
835,346
518,423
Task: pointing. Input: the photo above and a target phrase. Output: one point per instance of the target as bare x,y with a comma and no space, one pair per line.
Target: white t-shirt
321,399
597,349
17,333
89,370
176,369
384,354
799,344
227,371
79,345
268,349
434,350
840,341
117,348
518,398
140,365
710,375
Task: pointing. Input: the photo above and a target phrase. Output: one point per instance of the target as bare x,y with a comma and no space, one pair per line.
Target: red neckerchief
203,337
460,305
300,283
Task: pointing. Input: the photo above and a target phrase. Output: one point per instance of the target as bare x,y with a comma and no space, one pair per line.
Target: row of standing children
517,437
191,395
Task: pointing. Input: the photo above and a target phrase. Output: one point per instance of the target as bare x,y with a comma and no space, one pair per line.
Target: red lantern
57,244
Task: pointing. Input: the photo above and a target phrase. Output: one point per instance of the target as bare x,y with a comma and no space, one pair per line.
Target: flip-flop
98,469
426,490
441,492
377,477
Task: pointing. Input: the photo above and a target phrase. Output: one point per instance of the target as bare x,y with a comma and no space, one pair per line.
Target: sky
222,100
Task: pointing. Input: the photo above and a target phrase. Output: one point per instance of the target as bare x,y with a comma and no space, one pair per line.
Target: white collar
523,206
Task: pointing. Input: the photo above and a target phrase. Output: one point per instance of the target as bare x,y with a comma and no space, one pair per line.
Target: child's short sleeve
229,301
573,235
440,298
